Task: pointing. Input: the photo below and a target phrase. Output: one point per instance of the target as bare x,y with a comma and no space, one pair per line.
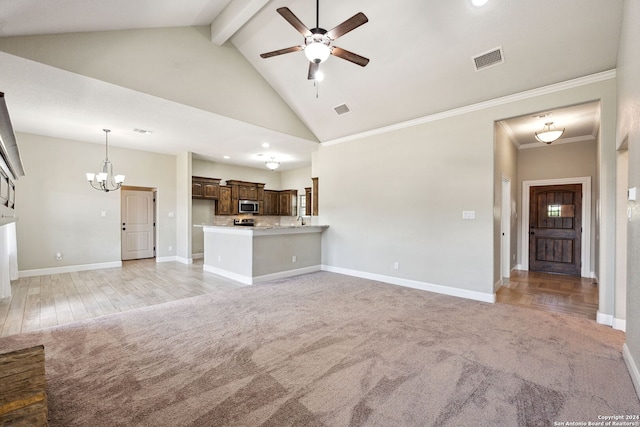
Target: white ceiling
421,64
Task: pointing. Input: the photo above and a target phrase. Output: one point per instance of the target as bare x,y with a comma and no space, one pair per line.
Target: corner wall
628,128
58,211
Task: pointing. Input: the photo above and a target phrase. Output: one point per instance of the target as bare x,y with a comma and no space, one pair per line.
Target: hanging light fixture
272,164
105,180
548,135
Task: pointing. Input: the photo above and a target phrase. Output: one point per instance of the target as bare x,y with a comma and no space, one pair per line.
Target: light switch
103,213
632,194
468,214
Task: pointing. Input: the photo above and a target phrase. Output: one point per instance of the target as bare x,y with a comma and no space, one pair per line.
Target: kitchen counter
253,254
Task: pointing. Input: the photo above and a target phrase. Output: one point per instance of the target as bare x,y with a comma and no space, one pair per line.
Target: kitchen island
257,254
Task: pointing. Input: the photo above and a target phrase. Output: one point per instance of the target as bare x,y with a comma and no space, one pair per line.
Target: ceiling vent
342,109
488,59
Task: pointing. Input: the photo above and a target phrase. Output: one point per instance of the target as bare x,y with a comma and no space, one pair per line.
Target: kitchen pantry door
138,227
555,229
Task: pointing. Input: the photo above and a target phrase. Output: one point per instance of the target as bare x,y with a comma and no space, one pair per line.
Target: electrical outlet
219,258
59,256
396,265
170,248
294,259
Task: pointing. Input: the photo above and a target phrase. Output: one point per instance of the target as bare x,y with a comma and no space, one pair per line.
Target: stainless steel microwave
248,206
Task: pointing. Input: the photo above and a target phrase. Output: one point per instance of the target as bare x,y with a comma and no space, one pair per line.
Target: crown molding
544,90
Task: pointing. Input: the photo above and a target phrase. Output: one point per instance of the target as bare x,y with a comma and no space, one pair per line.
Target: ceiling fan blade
350,24
313,69
281,51
293,20
349,56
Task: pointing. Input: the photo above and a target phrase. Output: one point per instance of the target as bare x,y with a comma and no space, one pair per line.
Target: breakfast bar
257,254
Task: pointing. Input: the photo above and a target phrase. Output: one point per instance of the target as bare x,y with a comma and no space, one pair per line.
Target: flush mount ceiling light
549,133
105,180
272,164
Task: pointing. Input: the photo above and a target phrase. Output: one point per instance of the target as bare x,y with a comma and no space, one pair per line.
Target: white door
138,228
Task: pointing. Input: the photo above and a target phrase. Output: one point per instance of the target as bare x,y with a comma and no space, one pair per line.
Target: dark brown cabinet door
197,189
555,229
271,202
224,205
211,191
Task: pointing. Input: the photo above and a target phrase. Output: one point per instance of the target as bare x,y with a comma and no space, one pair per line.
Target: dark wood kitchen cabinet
288,202
271,204
307,197
204,188
224,206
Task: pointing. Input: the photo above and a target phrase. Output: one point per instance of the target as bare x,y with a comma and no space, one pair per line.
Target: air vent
488,59
142,131
342,109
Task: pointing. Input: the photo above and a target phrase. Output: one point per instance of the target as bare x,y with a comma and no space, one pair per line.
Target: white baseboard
619,324
632,367
184,260
68,269
430,287
166,259
604,319
248,280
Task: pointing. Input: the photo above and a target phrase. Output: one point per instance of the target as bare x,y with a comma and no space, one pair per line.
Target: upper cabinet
205,188
227,197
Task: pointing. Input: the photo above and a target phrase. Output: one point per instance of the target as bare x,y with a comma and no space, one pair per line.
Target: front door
555,229
137,224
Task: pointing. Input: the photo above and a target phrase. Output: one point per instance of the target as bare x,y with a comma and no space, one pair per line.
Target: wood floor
551,292
43,301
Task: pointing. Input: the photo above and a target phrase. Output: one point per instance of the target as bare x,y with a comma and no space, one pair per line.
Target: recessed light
479,2
227,157
265,145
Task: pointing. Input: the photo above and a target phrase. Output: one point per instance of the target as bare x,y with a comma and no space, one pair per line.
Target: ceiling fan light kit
549,135
318,42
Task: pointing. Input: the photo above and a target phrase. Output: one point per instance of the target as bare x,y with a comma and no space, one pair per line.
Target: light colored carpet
330,350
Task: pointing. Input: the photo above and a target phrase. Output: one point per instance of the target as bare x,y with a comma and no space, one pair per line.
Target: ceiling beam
232,18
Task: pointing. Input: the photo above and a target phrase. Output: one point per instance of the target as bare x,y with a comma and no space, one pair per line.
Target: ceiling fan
318,42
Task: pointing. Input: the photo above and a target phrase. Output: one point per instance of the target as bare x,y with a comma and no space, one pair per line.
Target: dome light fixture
549,134
272,164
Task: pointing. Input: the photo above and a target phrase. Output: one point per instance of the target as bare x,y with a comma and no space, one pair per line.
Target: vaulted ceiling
420,55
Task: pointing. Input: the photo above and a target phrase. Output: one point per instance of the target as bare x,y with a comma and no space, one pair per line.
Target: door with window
138,226
555,229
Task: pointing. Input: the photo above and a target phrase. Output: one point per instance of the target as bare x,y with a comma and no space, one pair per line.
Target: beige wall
572,160
628,130
58,211
399,196
178,64
505,168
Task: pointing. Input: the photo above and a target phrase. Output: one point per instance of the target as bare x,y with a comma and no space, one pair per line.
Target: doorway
138,223
583,252
555,229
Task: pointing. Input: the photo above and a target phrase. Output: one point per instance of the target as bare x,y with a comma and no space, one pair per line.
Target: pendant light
548,135
105,180
272,164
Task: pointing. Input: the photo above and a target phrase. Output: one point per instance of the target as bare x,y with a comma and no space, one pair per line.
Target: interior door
555,229
138,227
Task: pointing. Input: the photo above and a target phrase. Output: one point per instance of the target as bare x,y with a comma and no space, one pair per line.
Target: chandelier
105,180
272,164
548,135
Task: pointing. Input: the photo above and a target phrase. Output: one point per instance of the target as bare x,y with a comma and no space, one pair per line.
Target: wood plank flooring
551,292
43,301
56,299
